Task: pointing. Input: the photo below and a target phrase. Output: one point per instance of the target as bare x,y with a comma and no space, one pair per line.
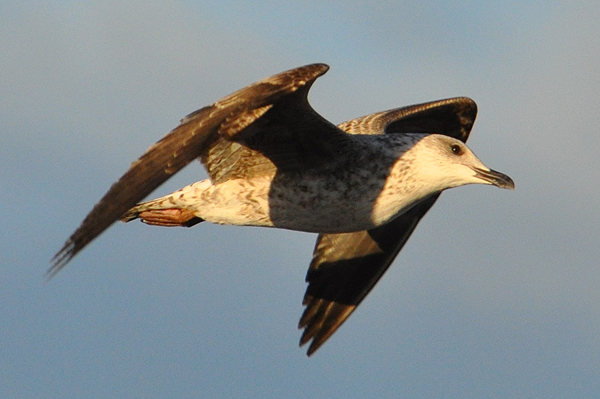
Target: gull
273,161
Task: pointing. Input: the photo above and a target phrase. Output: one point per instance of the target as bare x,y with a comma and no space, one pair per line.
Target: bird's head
446,162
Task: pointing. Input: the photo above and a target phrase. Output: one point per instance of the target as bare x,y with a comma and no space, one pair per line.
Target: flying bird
273,161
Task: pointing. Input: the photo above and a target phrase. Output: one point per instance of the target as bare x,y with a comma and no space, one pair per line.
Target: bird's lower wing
345,267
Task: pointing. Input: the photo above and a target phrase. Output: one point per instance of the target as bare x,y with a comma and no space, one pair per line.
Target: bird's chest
329,201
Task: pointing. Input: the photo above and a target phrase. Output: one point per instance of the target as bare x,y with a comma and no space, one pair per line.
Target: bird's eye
456,149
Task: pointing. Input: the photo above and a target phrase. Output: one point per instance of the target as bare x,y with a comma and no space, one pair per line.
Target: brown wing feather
453,117
345,267
199,132
289,135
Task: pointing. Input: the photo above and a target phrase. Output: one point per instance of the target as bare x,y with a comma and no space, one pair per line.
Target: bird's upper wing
452,117
229,141
345,267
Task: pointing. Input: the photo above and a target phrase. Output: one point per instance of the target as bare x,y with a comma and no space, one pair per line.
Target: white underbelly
305,204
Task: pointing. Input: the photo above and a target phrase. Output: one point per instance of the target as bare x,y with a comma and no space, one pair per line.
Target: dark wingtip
314,345
312,349
61,259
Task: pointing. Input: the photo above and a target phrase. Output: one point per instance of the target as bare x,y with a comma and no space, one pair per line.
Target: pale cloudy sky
497,294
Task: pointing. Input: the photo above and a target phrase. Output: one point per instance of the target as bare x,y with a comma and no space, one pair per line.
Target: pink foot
169,217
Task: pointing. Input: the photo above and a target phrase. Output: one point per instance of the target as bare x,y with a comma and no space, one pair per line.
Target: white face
446,162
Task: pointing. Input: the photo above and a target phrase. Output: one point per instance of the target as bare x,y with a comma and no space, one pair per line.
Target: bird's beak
496,178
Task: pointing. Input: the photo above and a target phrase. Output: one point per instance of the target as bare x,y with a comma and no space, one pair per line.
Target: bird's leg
170,210
169,217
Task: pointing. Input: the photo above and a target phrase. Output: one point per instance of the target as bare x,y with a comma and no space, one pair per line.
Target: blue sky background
497,294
